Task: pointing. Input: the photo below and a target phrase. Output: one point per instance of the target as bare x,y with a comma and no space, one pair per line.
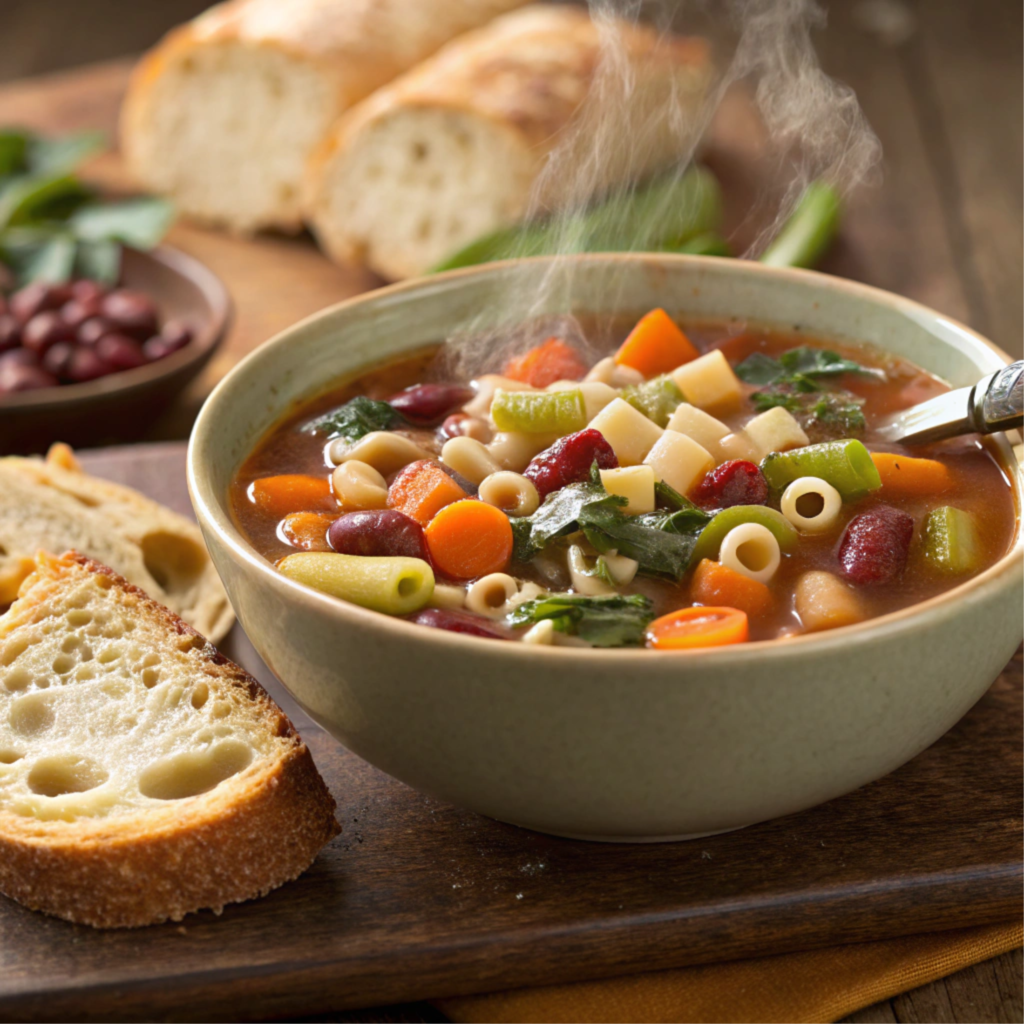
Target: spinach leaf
758,368
798,367
607,621
558,516
353,420
823,414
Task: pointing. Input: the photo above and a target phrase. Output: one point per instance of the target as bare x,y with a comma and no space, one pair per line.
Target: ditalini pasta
698,485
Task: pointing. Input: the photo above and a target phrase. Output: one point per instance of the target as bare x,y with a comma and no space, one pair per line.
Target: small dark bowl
121,406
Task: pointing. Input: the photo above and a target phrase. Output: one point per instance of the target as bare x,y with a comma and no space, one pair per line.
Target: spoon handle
998,400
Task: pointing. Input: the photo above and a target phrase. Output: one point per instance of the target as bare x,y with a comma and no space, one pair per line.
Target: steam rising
814,126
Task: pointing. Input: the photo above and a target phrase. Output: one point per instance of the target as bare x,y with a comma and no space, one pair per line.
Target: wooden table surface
939,80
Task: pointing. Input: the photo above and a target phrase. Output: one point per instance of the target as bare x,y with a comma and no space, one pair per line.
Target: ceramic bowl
611,744
119,407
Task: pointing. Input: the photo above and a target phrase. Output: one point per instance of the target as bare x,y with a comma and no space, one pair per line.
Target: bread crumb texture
142,774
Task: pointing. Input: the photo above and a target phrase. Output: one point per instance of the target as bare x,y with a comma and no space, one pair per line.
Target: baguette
452,150
143,776
52,505
223,113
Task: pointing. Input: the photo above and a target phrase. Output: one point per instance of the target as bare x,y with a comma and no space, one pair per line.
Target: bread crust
526,74
245,837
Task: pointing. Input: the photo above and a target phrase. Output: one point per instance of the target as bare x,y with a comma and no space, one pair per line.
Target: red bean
380,532
133,312
57,358
45,329
86,365
569,460
24,377
18,357
38,297
120,351
87,290
77,311
10,332
459,622
736,482
875,545
176,335
427,404
93,329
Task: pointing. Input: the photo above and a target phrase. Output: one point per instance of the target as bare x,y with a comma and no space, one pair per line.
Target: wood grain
418,899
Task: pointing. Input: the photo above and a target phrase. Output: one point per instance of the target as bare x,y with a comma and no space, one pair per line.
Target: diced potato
633,482
776,431
630,433
824,601
679,461
708,381
596,395
737,446
698,425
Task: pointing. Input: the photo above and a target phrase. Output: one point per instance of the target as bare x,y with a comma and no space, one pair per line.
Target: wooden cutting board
418,899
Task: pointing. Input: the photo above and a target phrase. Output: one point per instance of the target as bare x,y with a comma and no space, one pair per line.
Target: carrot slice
717,584
655,345
292,492
422,489
552,360
469,538
691,628
307,530
903,475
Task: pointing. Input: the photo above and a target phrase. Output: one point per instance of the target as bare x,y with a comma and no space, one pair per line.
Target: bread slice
224,112
453,149
54,506
142,774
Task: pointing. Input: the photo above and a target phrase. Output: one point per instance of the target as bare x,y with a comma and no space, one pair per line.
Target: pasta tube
710,540
539,412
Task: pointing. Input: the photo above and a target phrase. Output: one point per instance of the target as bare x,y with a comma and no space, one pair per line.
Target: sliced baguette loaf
223,113
142,774
53,506
452,150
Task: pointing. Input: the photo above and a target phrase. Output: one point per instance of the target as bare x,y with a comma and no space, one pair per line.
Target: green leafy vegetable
558,516
822,414
353,420
657,399
139,222
810,230
799,367
606,621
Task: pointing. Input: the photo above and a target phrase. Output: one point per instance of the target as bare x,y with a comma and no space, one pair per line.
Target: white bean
469,458
358,486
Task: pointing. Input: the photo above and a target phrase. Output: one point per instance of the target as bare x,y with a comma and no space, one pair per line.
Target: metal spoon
995,403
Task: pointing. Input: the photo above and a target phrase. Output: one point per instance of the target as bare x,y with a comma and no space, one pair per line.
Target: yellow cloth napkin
818,985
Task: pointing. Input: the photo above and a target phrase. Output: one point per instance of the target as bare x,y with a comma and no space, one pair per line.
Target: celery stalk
951,541
845,464
810,230
539,412
657,399
711,537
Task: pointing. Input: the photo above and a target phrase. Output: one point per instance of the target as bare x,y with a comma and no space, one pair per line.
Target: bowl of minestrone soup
613,547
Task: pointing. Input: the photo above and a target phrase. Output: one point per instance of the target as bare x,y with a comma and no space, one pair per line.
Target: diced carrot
903,475
717,584
552,360
292,492
690,628
307,530
655,345
422,489
469,538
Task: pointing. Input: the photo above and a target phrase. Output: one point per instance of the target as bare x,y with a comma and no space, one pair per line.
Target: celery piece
395,585
950,538
845,464
711,537
539,412
810,230
657,399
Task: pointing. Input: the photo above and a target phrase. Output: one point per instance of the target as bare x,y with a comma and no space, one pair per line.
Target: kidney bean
57,358
875,545
569,460
379,532
10,332
427,404
459,622
19,357
45,329
736,482
133,312
176,335
120,351
96,327
85,365
77,311
86,290
38,297
24,377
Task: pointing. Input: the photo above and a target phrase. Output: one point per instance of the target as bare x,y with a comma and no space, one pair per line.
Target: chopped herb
798,367
353,420
657,399
823,414
607,621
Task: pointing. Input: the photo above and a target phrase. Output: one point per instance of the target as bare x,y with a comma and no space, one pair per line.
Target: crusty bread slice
453,149
142,774
223,113
54,506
